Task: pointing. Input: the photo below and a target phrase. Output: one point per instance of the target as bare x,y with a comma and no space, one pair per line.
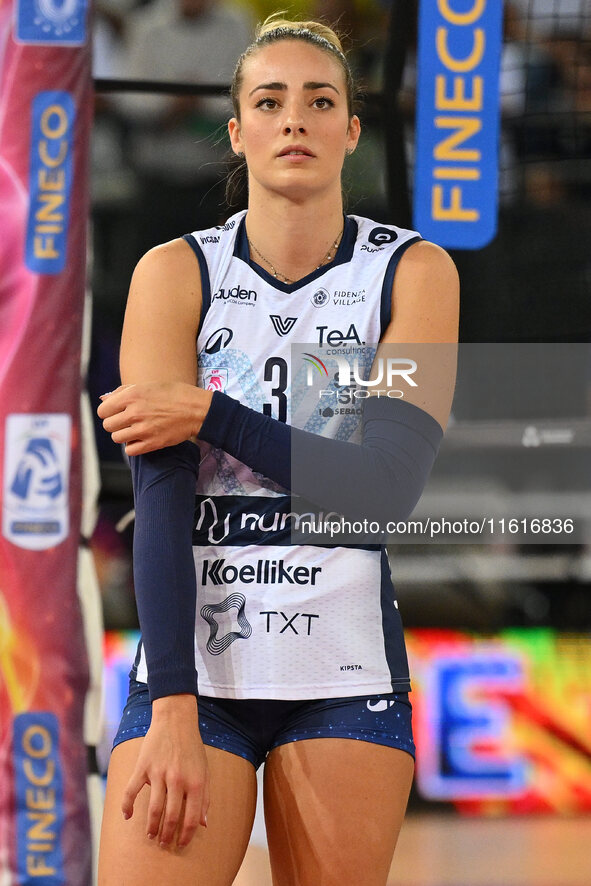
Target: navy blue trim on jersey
344,255
205,282
386,300
392,631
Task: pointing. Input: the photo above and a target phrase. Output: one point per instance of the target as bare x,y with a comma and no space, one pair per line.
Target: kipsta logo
216,645
281,326
320,298
219,339
382,236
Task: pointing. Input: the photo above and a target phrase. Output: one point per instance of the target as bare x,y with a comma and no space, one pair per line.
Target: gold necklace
281,277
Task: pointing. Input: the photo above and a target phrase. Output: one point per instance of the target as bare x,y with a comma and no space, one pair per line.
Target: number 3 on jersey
276,373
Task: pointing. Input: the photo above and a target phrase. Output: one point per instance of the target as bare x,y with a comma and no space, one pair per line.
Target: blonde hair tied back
276,28
276,22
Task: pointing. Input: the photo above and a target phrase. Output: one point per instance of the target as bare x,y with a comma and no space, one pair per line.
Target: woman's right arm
158,345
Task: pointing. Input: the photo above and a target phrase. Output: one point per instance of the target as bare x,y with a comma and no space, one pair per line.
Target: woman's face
294,127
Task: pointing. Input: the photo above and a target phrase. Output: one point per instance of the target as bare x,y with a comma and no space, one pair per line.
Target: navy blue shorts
251,728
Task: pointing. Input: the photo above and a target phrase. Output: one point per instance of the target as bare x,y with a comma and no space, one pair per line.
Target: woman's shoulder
168,258
376,237
167,275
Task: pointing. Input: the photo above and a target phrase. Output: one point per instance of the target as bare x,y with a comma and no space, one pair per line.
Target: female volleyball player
291,654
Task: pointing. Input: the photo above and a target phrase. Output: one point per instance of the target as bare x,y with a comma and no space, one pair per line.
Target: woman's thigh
333,809
128,857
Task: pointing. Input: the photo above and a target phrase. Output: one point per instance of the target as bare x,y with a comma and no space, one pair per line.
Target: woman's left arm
424,325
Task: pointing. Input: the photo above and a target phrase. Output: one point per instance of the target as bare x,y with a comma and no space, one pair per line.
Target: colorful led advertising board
502,722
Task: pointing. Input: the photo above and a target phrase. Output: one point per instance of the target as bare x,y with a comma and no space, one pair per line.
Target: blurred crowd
159,160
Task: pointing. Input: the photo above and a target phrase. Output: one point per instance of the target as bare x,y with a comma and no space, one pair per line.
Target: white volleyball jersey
277,620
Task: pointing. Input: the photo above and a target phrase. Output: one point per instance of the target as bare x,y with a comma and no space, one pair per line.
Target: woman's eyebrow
279,87
270,86
311,84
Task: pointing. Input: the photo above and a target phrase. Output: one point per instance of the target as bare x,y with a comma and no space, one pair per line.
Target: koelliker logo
267,572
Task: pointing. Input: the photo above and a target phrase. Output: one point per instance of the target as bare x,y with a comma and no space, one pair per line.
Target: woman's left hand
153,415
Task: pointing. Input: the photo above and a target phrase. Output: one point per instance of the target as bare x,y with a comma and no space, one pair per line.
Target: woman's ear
353,132
235,139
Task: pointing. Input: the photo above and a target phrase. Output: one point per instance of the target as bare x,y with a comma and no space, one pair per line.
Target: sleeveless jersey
274,619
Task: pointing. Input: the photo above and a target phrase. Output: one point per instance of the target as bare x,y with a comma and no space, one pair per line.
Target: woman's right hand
172,762
152,415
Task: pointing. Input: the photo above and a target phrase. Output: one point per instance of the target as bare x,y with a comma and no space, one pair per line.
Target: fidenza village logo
387,371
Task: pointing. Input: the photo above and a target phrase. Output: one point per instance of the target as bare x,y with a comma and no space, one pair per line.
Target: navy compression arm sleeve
163,565
382,479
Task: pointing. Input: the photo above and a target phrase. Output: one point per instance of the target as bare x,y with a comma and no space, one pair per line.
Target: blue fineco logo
39,800
58,22
50,181
458,119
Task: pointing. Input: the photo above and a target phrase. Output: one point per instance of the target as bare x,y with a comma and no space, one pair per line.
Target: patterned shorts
251,728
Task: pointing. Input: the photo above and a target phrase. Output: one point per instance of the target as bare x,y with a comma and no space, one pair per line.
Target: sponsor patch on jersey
227,227
219,572
347,297
279,622
320,298
236,295
382,236
213,614
335,337
215,379
218,340
282,325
